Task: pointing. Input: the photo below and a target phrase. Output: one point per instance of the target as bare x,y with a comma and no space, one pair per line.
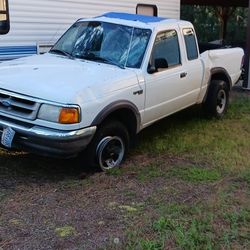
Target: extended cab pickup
105,80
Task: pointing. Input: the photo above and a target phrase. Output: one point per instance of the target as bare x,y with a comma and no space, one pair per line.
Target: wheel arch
124,111
221,74
218,73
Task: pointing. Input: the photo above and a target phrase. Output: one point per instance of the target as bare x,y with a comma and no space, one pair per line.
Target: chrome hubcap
110,152
221,101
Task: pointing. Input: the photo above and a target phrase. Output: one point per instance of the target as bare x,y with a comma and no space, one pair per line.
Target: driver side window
4,17
166,51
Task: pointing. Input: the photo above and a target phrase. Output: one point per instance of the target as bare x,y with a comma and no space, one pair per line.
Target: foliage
207,23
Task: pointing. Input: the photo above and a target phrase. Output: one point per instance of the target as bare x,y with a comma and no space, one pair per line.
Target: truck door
193,62
169,84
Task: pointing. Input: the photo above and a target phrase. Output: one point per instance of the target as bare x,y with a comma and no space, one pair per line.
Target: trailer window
4,17
147,9
191,45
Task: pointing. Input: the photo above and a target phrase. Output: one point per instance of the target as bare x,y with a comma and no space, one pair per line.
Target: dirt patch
69,213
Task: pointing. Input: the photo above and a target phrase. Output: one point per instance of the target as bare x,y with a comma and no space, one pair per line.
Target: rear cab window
4,17
191,44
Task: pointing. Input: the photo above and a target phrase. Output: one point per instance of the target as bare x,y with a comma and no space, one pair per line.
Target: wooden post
246,83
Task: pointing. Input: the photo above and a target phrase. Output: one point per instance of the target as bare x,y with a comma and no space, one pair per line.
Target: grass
115,172
3,194
65,231
223,143
149,172
245,175
196,234
219,151
185,186
195,174
195,227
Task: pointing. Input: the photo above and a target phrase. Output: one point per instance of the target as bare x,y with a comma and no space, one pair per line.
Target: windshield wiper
62,52
93,57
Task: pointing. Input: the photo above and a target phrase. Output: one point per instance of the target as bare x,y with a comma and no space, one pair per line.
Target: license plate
7,137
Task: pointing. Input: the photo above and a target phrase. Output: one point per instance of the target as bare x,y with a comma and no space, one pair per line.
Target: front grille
17,105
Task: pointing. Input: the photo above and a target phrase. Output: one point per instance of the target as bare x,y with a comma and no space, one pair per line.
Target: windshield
116,44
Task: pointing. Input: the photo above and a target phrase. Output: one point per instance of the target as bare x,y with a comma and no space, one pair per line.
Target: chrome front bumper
46,141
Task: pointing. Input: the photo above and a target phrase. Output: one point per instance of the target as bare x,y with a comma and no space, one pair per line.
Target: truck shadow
178,121
28,168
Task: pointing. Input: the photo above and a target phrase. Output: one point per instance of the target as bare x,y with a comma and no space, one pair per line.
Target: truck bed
209,46
229,58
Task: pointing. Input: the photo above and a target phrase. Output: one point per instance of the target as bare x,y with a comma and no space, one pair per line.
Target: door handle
184,74
139,92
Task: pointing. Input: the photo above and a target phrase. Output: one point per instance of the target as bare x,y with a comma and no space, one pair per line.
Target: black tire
109,146
217,100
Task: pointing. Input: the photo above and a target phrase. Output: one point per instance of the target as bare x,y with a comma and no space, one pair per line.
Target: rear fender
218,73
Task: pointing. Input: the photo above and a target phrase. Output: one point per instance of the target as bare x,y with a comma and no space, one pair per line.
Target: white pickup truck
105,80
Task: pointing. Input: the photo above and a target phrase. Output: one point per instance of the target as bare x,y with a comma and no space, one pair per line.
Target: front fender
115,106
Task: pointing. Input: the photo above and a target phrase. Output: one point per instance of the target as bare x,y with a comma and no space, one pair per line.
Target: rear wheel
109,146
217,100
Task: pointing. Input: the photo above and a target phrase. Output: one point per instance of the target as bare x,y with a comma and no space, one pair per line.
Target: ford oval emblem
6,103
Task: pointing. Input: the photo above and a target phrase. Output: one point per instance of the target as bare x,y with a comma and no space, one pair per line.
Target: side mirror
151,69
159,63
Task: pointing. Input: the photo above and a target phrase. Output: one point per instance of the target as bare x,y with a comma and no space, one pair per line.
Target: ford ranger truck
105,80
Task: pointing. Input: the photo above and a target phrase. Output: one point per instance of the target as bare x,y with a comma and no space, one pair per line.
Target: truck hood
59,79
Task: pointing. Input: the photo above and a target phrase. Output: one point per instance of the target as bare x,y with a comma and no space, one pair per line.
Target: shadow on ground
19,167
24,167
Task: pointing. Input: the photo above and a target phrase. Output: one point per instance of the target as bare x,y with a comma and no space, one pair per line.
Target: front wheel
109,146
217,100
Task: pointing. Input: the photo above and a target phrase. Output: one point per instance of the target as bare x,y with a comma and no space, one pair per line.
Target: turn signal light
69,116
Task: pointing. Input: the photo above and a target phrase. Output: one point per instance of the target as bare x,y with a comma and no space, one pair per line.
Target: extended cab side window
191,44
4,17
166,51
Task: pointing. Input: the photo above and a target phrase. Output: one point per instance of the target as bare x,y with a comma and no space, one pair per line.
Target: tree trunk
223,14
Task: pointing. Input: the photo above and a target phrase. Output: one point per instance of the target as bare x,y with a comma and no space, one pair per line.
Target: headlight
59,114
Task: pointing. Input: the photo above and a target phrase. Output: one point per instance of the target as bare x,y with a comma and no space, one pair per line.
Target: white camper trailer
33,26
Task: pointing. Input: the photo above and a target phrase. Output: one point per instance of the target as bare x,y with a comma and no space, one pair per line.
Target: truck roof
136,20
